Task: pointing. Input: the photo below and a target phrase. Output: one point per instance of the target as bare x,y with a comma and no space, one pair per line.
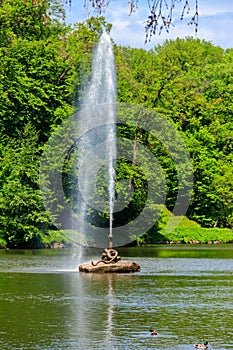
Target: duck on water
201,346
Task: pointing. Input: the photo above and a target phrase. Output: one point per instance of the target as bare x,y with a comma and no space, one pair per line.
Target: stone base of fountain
110,262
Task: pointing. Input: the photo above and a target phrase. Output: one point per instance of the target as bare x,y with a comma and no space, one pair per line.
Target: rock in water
110,262
121,266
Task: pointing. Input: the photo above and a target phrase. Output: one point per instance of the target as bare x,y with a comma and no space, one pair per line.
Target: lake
184,292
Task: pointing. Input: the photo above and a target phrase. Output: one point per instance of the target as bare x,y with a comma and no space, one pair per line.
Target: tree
22,217
43,66
33,62
30,19
189,81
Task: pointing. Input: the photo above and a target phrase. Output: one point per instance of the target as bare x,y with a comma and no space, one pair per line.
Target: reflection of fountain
109,326
101,91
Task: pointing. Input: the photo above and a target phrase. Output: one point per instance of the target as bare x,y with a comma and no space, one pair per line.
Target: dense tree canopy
189,81
43,66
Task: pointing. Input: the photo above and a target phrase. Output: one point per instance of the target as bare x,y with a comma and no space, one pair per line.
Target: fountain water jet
101,91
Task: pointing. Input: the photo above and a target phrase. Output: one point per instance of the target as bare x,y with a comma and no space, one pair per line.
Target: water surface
185,293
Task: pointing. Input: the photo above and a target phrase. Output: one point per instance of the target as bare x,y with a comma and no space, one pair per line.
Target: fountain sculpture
101,92
77,173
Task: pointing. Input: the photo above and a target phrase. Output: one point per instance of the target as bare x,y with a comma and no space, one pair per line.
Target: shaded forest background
44,63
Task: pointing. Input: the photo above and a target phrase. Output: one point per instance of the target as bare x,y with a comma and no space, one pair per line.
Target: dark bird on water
202,346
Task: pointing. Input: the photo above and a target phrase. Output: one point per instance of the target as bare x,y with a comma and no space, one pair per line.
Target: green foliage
184,223
80,44
186,231
31,19
54,236
44,66
199,234
189,81
22,219
3,243
31,88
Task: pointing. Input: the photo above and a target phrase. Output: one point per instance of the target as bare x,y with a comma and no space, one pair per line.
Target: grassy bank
182,231
185,231
200,235
189,231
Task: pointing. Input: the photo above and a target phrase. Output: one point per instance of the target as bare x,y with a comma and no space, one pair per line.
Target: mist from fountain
98,128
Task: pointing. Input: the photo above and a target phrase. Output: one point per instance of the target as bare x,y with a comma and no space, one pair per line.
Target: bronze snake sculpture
109,256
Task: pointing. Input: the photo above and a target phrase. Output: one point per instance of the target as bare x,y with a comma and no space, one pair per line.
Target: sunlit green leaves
22,218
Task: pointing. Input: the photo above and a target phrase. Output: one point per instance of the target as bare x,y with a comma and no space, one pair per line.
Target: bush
3,243
54,236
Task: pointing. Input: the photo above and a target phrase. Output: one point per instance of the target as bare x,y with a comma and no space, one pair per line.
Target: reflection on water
46,304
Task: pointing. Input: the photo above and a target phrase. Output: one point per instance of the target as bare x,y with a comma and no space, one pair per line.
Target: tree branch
63,74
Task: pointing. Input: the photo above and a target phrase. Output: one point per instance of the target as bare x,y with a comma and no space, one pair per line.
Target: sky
215,22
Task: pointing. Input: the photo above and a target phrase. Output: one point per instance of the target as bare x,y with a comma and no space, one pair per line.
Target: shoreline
61,245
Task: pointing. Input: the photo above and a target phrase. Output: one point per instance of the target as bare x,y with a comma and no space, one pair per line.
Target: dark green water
185,293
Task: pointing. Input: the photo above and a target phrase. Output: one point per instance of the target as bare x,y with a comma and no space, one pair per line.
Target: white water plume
97,146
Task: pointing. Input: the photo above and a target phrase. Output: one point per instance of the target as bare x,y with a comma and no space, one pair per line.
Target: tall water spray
96,124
